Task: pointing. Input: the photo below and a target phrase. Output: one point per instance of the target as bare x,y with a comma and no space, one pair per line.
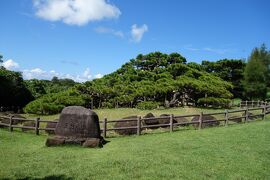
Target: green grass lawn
119,113
239,151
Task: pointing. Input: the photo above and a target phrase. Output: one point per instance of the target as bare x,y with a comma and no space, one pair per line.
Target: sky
86,39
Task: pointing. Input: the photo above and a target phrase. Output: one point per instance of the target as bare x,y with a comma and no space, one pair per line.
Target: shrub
54,103
149,105
215,102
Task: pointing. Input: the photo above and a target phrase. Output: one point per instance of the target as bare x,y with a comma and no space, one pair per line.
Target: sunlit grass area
233,152
119,113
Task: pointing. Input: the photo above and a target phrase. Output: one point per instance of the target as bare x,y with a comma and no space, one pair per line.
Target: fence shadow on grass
51,177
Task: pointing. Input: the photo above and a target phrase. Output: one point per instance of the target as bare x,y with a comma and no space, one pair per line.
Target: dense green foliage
157,77
234,152
13,91
257,74
53,103
230,70
39,88
151,80
214,102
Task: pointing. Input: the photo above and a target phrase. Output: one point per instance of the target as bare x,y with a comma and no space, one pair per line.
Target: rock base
85,142
55,141
92,143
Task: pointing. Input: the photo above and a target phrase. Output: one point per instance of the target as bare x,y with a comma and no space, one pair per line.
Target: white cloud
209,49
10,64
38,73
138,32
97,76
217,51
104,30
191,48
74,63
75,12
86,74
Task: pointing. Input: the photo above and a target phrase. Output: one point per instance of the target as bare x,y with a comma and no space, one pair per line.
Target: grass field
117,114
124,112
235,152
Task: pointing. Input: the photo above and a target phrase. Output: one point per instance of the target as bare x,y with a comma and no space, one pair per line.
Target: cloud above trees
138,32
38,73
75,12
10,64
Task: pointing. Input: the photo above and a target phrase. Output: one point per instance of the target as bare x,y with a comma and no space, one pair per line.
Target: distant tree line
150,80
147,81
39,88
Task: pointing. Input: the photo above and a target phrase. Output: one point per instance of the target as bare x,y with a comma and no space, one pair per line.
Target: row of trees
154,79
163,79
15,92
39,88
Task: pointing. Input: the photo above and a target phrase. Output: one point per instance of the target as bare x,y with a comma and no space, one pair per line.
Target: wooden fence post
138,125
10,123
105,127
246,114
226,117
37,126
240,104
264,112
246,103
200,120
171,123
252,103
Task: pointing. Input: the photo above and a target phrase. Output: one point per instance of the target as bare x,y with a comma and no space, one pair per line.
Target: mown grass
234,152
119,113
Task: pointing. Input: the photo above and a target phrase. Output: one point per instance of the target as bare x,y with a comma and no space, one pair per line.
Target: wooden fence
244,104
36,121
107,125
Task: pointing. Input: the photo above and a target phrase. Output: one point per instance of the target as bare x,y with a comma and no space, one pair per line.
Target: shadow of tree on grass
52,177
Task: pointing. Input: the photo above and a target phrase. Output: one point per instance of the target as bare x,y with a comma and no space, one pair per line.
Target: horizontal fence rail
139,123
244,104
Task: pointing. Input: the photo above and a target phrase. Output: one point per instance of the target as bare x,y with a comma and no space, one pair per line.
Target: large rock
235,119
92,142
55,141
151,121
180,120
164,119
76,125
121,124
205,118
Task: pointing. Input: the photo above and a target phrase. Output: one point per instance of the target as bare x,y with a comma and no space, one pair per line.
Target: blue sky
85,39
